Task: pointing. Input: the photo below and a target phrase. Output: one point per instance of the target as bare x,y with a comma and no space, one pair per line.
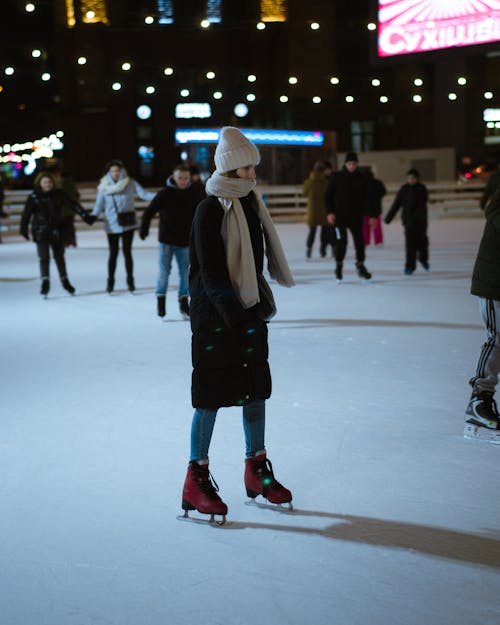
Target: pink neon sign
407,26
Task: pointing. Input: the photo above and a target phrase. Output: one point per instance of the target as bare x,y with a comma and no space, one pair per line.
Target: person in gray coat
115,198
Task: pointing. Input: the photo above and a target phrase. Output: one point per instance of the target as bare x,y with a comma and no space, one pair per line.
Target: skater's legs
113,243
57,246
182,258
311,236
411,248
488,366
127,238
423,246
202,428
341,243
165,253
378,234
42,248
254,421
359,242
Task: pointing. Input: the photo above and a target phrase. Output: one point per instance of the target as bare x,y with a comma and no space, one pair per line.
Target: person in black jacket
412,199
176,204
346,200
231,303
45,209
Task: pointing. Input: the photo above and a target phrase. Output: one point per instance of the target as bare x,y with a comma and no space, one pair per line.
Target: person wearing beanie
412,199
347,202
231,303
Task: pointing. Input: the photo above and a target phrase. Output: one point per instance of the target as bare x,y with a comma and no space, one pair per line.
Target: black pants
43,248
357,236
323,234
114,243
417,246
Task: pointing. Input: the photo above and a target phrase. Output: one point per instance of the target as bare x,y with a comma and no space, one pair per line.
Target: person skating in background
346,201
482,418
371,228
175,204
230,305
314,189
45,209
115,197
66,182
3,214
412,199
490,188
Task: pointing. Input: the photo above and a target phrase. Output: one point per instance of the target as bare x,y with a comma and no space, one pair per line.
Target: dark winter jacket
486,273
491,186
412,198
46,213
176,208
314,189
347,197
229,343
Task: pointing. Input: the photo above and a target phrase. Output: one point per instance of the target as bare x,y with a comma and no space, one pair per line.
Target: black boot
338,272
45,287
131,284
184,306
363,271
160,305
308,252
67,285
110,285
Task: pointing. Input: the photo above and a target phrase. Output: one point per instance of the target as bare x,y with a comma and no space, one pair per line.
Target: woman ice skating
45,208
230,305
115,196
314,189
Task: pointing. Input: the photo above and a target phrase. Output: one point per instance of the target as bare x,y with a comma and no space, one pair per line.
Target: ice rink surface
397,518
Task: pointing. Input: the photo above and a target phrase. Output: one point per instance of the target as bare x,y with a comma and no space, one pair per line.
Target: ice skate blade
277,507
479,433
212,521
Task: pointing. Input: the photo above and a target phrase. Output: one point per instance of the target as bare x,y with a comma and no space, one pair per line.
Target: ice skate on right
363,271
482,418
260,480
338,272
200,493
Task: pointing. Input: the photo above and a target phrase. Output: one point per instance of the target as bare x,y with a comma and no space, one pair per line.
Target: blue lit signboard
256,135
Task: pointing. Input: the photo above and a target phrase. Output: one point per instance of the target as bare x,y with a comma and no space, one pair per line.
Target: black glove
89,219
387,221
143,234
25,235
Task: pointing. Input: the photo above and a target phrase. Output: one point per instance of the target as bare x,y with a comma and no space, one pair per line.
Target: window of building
362,135
214,10
165,12
273,10
93,11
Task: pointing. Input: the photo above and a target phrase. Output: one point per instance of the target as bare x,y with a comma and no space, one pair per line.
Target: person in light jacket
115,197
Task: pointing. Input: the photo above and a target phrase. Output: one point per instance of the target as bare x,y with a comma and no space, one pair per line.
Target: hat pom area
234,150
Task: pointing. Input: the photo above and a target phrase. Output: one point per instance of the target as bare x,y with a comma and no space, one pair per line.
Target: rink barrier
286,203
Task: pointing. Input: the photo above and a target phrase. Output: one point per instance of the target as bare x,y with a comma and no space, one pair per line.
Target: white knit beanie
234,150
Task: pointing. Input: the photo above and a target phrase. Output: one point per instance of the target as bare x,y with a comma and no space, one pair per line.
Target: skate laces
266,475
489,403
207,483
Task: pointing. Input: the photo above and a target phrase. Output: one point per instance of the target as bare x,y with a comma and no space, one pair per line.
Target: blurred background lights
488,95
9,71
251,77
314,26
418,82
384,99
217,95
168,71
283,98
90,15
184,93
349,98
316,99
29,7
36,53
150,89
81,60
116,86
204,23
261,26
210,75
375,82
240,110
126,66
371,26
462,81
417,98
149,19
334,80
143,111
46,76
293,80
250,97
452,96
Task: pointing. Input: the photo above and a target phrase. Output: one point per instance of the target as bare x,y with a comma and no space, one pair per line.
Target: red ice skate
260,480
200,493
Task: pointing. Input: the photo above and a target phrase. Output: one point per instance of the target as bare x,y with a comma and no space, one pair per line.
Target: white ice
397,518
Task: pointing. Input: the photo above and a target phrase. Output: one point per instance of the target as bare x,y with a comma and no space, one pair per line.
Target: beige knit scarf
234,231
108,186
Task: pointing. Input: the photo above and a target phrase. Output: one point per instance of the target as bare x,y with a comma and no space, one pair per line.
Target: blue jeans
166,253
254,421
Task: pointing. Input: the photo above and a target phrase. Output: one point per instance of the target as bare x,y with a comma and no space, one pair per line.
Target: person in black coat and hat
347,202
412,199
231,303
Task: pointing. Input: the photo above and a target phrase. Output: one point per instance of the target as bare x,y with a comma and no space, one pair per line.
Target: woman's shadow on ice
426,539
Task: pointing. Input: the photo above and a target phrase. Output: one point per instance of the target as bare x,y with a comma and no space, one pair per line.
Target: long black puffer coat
229,343
347,198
